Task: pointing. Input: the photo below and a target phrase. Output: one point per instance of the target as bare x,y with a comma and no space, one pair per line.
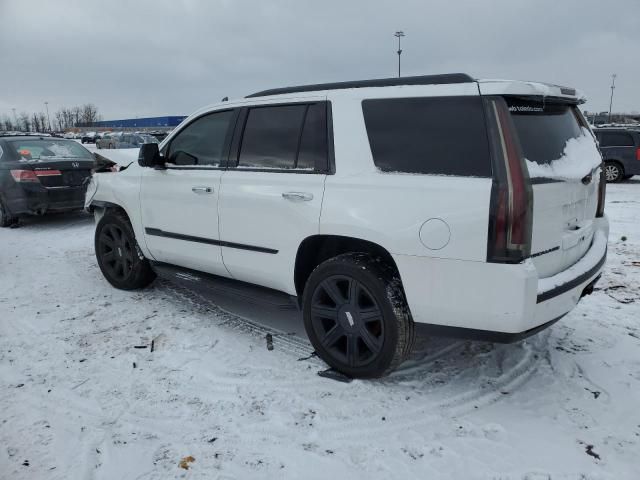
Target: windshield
47,149
543,128
149,139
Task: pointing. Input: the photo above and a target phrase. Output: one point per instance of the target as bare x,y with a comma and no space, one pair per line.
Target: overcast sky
147,58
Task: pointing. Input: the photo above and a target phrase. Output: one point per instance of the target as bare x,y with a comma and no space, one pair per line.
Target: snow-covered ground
78,400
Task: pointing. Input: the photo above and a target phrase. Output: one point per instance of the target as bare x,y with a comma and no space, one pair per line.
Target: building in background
147,123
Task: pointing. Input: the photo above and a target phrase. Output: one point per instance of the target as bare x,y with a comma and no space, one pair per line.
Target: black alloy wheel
118,254
356,316
348,320
116,251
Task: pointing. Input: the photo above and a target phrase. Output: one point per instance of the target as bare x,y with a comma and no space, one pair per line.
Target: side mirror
149,156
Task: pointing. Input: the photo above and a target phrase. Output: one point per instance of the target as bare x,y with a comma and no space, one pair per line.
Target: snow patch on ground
579,158
79,399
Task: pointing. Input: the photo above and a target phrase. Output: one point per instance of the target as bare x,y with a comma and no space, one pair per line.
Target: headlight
92,188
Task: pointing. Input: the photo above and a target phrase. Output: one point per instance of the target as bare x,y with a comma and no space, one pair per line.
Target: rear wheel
6,219
356,315
118,254
613,172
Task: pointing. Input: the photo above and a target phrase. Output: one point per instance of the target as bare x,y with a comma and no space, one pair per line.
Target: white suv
471,208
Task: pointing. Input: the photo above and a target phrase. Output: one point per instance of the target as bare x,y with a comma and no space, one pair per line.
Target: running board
213,286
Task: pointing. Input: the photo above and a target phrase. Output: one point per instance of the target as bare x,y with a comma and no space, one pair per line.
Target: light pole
399,34
46,105
613,86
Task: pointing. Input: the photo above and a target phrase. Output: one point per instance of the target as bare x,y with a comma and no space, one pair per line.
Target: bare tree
35,123
7,123
24,124
59,120
77,116
44,122
89,114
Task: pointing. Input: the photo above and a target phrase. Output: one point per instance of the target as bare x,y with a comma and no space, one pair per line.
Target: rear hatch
563,162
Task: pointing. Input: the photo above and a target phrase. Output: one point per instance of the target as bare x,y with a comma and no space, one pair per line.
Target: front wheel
613,172
118,254
356,315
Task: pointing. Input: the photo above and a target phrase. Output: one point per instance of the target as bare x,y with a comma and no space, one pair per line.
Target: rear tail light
638,154
602,192
511,210
24,176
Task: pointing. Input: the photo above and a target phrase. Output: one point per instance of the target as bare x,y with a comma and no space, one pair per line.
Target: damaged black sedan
40,175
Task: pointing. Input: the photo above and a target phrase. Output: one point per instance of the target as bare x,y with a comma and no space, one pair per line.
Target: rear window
615,139
48,149
543,128
437,135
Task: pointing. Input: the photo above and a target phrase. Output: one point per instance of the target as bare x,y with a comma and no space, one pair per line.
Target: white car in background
470,208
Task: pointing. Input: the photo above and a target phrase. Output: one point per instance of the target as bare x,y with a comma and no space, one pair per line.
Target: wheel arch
102,207
615,160
315,249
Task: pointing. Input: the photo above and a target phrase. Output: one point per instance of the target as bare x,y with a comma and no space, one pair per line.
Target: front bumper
492,301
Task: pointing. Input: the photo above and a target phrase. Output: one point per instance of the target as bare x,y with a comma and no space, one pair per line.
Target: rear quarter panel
390,208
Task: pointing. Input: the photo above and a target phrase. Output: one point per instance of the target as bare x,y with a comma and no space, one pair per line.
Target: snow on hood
579,158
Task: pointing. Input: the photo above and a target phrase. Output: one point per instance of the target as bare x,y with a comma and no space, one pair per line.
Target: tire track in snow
416,378
282,341
484,391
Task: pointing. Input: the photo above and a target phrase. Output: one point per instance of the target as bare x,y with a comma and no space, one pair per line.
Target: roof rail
378,82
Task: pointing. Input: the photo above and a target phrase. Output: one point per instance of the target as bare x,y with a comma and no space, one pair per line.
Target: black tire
356,315
613,172
6,219
118,254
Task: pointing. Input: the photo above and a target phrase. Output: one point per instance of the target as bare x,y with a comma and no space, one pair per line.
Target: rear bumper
496,302
36,199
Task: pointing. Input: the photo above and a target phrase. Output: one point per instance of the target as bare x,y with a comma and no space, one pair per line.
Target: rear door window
313,143
615,139
285,137
428,135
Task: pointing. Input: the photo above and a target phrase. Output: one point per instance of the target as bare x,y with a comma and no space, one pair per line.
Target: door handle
298,196
201,190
